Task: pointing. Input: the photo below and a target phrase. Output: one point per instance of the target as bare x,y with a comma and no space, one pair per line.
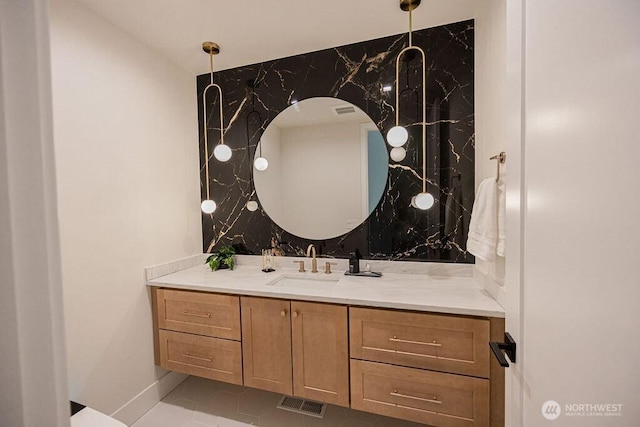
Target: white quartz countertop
420,292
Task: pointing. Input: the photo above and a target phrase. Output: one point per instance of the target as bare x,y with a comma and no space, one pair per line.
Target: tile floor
199,402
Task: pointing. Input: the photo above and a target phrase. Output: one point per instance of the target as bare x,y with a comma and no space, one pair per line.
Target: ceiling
252,31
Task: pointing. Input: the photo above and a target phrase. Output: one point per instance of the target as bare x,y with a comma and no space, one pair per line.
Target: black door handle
509,347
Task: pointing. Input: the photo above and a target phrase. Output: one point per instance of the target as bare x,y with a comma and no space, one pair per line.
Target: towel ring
501,158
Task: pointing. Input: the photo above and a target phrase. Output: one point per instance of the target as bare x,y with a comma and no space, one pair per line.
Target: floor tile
193,388
333,416
199,402
257,402
355,423
218,404
281,418
168,414
363,417
224,422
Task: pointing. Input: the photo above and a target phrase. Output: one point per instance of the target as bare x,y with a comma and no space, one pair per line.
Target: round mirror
327,168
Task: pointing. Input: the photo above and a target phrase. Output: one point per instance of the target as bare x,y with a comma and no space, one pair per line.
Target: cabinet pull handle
422,399
432,344
204,359
188,313
294,314
283,313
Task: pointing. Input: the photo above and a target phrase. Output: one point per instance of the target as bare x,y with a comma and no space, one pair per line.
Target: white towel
502,206
482,240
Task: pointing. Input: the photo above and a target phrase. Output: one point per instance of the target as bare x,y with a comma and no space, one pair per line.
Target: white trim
33,378
515,385
148,398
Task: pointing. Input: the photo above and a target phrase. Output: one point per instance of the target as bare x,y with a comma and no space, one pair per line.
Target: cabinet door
418,395
320,352
266,344
206,357
438,342
201,313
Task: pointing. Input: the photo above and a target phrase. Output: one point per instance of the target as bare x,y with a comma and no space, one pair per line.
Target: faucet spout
311,251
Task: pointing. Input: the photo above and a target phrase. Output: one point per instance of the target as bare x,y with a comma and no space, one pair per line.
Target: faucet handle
301,270
327,267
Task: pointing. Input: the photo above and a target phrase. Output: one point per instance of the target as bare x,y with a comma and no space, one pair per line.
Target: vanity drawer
213,358
199,313
433,398
428,341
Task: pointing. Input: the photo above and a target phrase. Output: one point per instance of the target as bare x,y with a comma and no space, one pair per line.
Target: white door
573,288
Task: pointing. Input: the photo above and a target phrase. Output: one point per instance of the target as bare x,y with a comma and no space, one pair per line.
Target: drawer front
199,313
428,341
213,358
433,398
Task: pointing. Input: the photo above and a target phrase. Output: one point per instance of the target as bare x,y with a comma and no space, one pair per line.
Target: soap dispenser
354,262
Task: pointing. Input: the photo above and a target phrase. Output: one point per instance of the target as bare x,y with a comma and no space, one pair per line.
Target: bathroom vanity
404,345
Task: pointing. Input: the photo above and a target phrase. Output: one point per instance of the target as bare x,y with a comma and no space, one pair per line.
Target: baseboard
144,401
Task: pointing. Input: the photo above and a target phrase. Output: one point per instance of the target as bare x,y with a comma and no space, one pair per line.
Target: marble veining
356,73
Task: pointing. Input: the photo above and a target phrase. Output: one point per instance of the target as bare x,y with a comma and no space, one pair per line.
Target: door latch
509,347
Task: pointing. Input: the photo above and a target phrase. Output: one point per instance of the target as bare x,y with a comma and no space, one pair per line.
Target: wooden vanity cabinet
428,368
296,348
266,344
423,367
320,352
198,333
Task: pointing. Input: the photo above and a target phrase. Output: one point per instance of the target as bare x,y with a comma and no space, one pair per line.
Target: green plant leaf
214,263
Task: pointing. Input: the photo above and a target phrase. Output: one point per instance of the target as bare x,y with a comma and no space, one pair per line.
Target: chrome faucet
314,263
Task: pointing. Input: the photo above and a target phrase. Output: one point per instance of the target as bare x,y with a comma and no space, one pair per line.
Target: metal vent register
302,406
343,109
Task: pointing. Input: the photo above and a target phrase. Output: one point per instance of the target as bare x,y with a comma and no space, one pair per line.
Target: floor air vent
302,406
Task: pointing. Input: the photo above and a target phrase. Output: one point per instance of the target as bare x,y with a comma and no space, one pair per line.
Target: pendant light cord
204,111
424,98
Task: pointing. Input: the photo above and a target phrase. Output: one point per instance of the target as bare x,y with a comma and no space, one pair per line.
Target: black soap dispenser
354,262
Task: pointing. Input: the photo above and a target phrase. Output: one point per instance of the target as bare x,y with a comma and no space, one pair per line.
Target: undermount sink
307,282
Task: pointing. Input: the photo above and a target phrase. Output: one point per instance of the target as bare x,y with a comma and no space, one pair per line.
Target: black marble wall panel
356,73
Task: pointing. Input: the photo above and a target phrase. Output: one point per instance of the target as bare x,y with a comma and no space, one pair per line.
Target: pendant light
208,206
398,135
261,164
254,115
222,152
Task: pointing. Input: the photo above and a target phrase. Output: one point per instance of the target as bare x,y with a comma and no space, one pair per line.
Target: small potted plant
223,258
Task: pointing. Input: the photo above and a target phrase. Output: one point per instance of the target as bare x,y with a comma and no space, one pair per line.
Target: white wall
490,114
309,188
581,152
297,185
125,129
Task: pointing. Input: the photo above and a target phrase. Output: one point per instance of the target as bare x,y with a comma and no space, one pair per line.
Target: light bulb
208,206
423,201
222,152
398,154
261,163
397,136
413,202
252,205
